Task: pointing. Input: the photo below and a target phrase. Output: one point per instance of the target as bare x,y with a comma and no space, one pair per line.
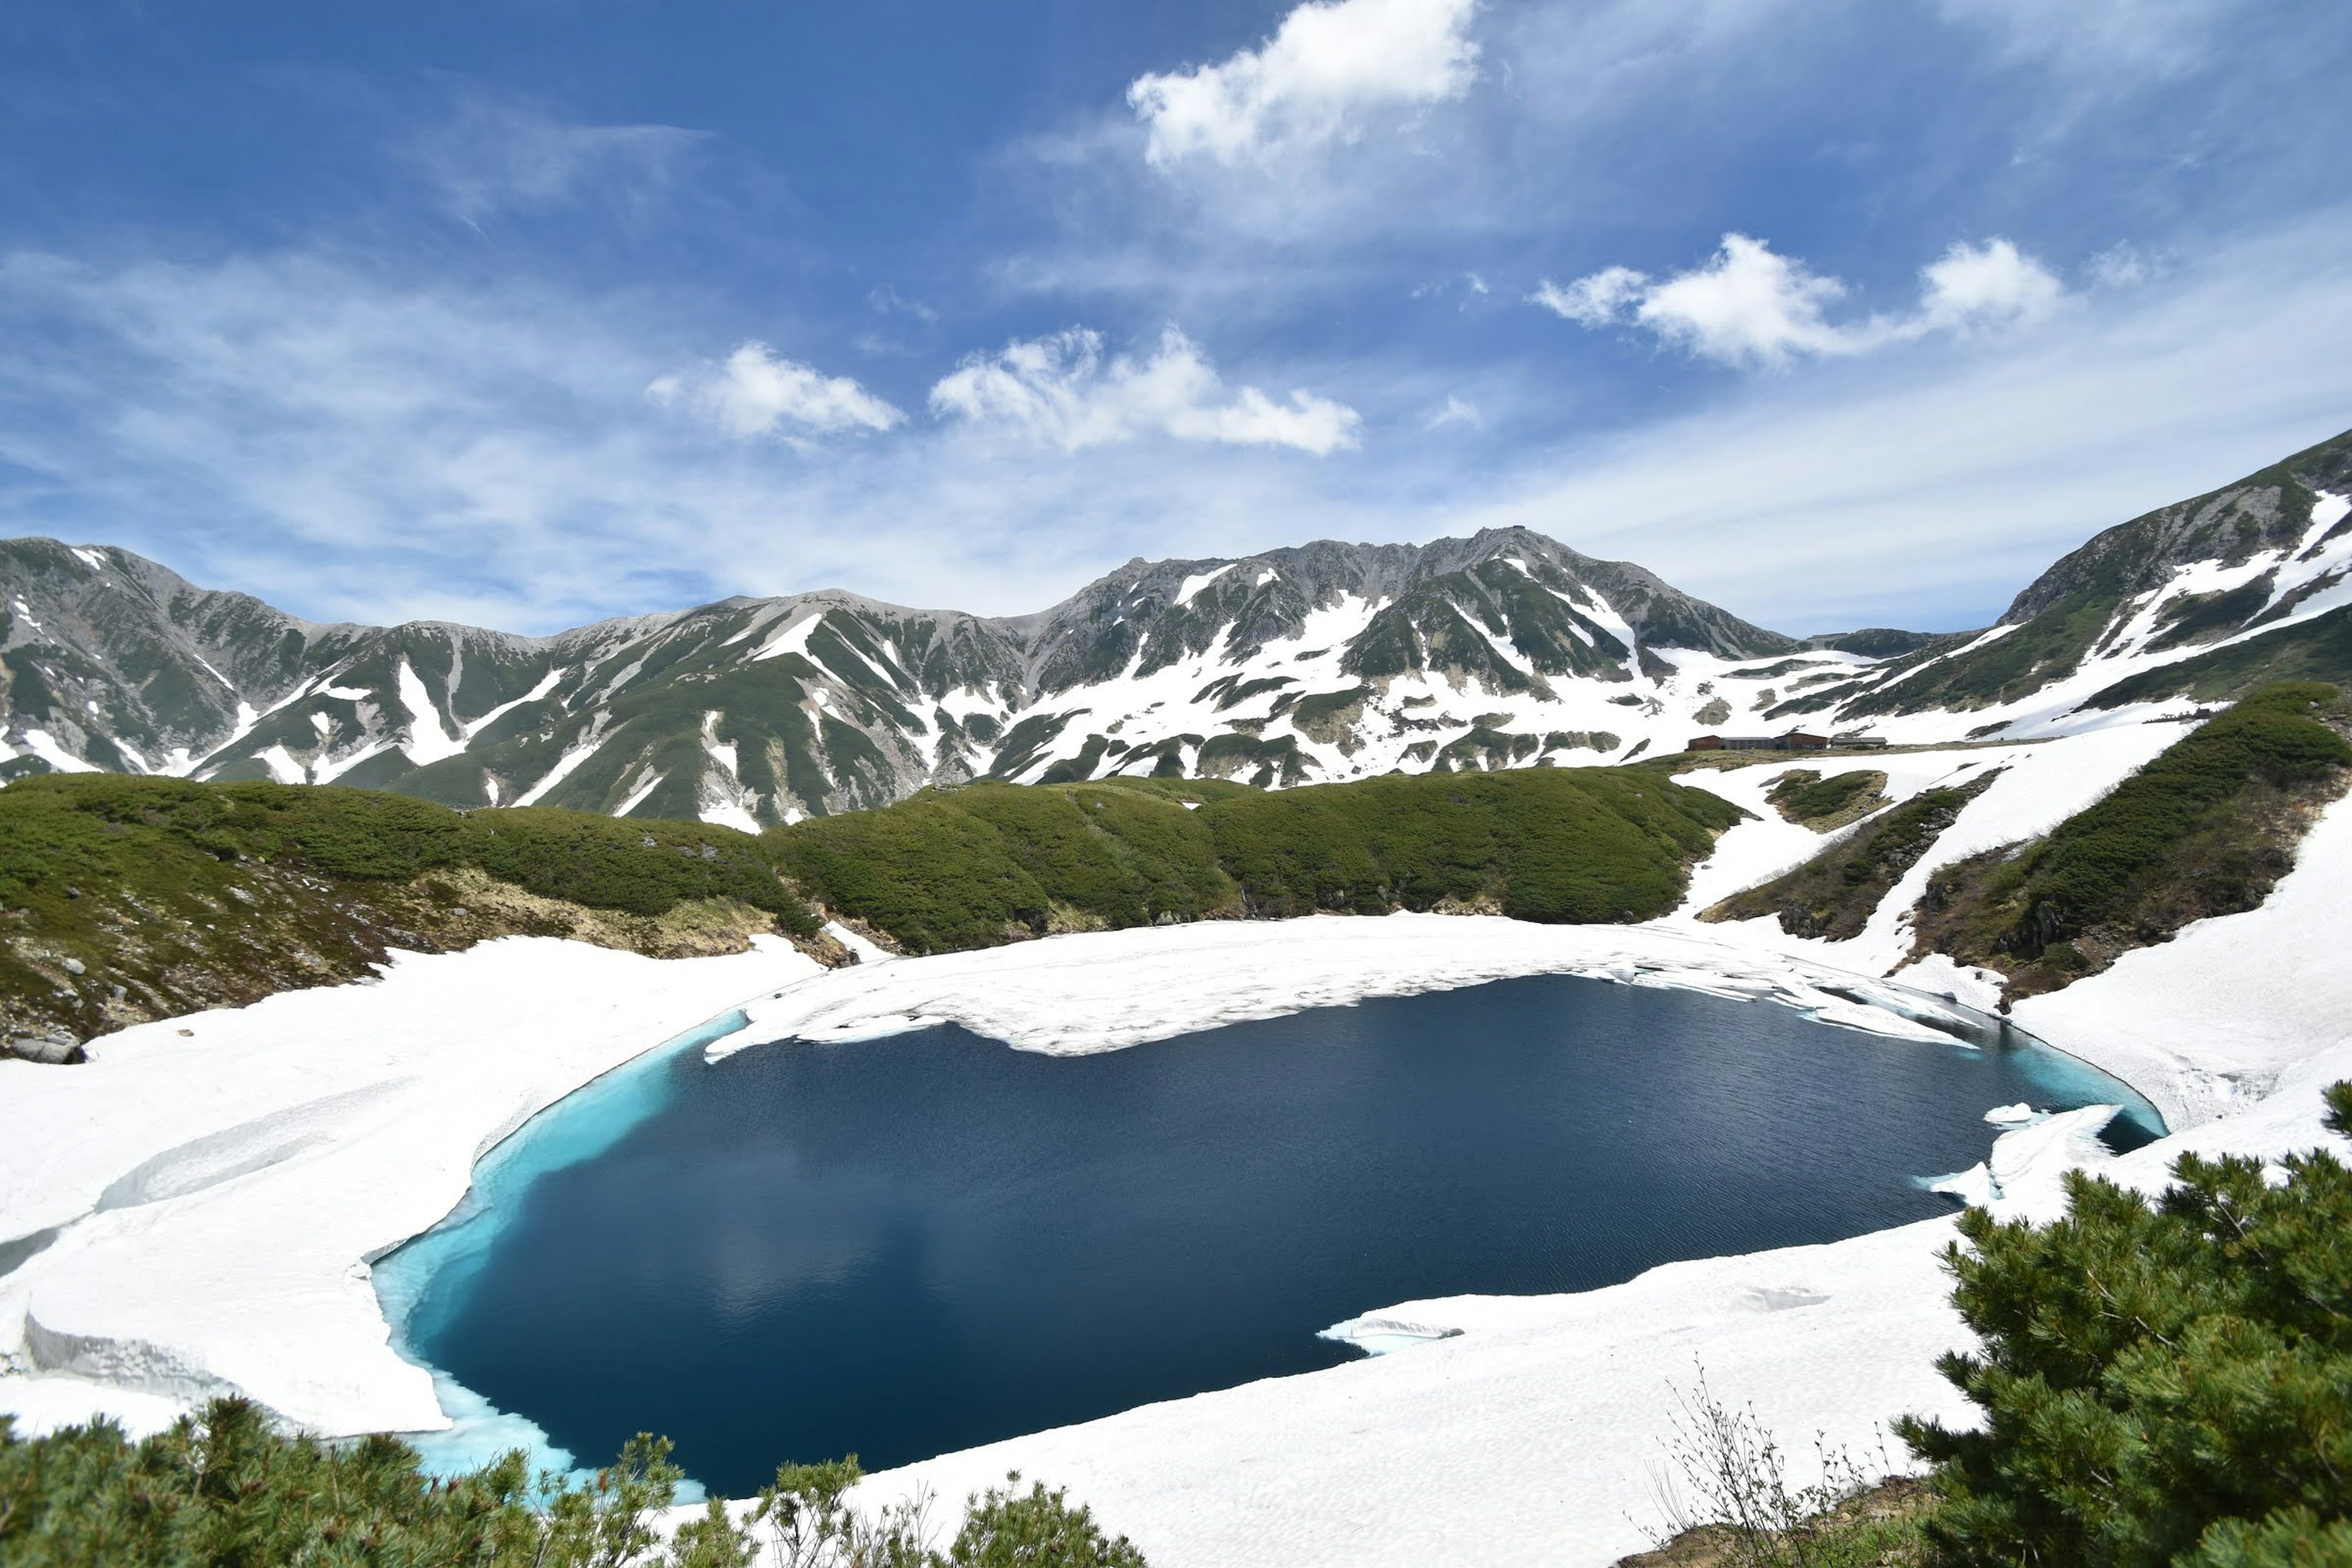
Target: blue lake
905,1247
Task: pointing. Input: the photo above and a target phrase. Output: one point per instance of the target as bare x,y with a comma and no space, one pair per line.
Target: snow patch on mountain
547,683
1199,581
561,771
428,742
42,744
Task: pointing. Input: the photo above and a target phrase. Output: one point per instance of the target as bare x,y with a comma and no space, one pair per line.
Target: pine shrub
225,1489
2160,1383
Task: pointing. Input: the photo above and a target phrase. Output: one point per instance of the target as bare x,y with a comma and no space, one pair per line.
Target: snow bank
219,1184
2203,1024
1069,995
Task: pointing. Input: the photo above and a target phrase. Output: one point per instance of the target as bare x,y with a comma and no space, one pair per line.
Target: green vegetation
1885,642
124,897
1266,763
222,1490
991,863
2207,829
1834,894
1573,844
1802,796
2165,1383
1325,715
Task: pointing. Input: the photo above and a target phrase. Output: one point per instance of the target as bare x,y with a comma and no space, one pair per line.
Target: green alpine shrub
2165,1382
223,1489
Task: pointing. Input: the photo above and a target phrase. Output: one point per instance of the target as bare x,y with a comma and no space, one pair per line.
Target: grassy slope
1802,795
2046,648
949,871
173,896
2207,829
993,863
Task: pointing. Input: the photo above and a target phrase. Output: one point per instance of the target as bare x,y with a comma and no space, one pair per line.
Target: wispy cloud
1457,411
756,392
2122,265
886,301
357,446
1749,305
493,155
1062,390
1327,65
1595,300
2120,40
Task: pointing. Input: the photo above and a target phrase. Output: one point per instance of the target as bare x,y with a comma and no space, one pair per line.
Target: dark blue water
903,1248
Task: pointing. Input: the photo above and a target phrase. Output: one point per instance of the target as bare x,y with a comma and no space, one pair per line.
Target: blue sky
526,312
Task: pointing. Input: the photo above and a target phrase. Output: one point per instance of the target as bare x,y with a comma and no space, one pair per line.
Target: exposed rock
56,1049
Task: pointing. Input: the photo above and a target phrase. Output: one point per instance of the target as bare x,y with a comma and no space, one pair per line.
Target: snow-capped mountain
1325,661
1321,662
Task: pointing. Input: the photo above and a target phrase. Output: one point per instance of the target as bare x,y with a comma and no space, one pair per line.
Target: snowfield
197,1209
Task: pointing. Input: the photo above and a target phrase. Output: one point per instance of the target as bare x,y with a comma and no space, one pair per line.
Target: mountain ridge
1318,661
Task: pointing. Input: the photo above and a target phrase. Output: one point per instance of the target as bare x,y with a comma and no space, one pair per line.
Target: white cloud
1456,411
1751,306
1328,63
756,392
1592,301
1986,285
1746,306
1061,391
887,300
494,155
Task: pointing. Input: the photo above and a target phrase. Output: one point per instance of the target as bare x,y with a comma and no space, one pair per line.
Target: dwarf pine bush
2166,1383
223,1489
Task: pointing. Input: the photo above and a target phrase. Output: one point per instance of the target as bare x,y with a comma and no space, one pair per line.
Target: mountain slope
2209,597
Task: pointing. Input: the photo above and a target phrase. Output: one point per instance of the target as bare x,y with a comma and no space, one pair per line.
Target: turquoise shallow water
914,1245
